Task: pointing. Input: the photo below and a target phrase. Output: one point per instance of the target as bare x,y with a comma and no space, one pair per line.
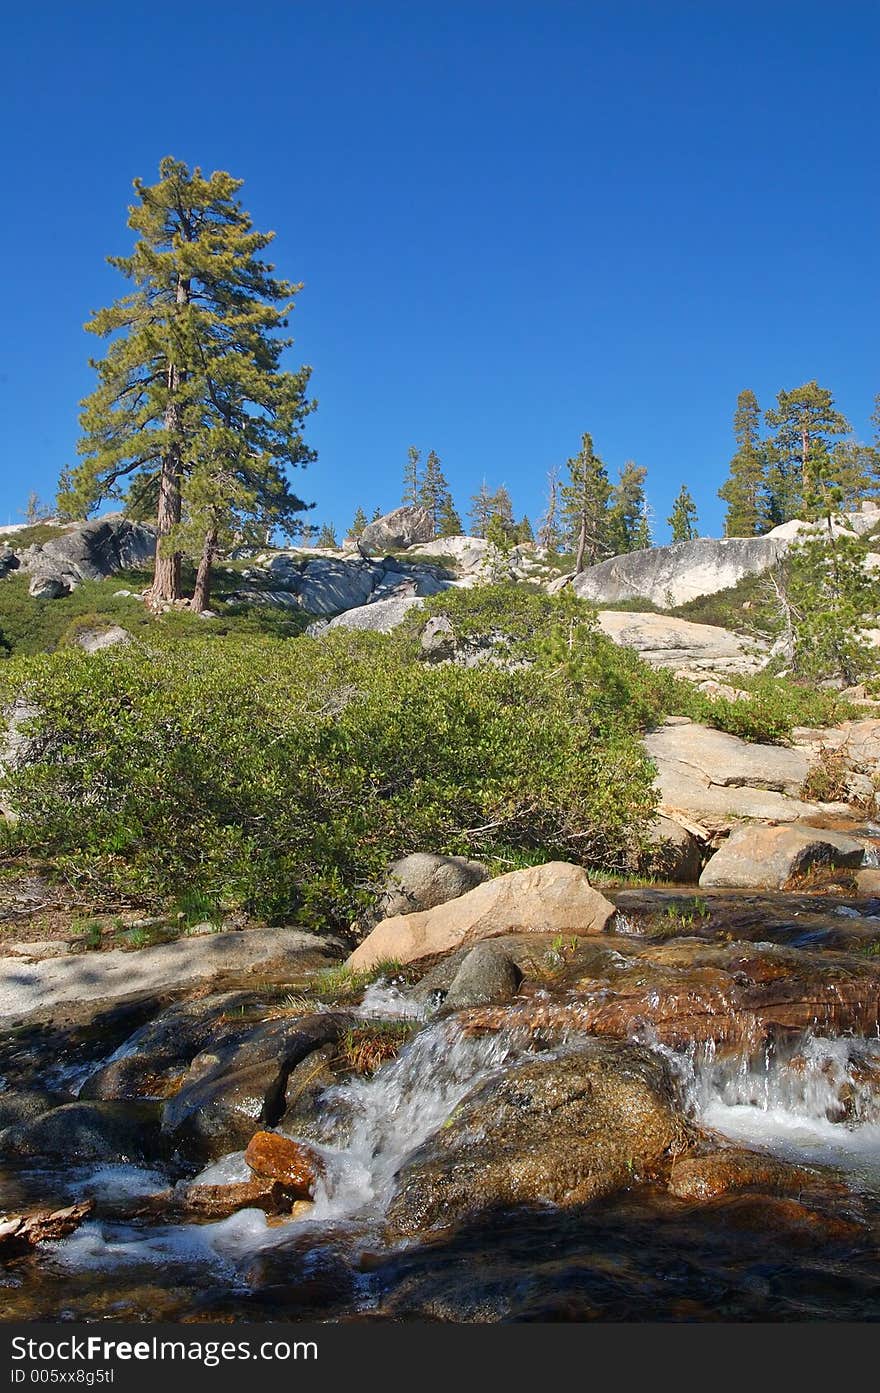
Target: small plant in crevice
365,1048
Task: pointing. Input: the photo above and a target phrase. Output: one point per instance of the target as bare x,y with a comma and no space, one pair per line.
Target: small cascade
384,1001
814,1101
369,1126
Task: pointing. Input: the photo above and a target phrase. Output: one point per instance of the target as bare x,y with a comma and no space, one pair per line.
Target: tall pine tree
412,478
804,420
626,512
745,490
585,505
193,414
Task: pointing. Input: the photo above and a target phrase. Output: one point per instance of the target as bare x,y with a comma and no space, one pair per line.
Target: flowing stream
812,1098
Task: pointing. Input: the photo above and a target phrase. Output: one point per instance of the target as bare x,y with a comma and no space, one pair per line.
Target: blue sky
515,222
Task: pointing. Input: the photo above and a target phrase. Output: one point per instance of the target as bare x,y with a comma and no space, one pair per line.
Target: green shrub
284,776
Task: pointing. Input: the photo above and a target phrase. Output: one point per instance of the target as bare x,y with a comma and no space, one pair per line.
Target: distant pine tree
358,524
749,510
412,478
327,536
585,505
450,524
626,511
805,420
481,511
683,518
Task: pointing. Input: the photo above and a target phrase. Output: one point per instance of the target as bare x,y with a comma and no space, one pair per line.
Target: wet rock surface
675,1118
565,1130
229,1090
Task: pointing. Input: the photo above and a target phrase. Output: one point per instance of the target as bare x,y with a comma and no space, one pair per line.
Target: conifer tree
523,531
358,523
193,414
376,514
412,478
626,512
549,530
683,518
433,490
501,505
804,422
745,491
327,537
585,505
450,524
480,511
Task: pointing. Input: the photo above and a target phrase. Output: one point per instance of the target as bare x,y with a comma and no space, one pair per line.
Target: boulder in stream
84,1132
230,1091
566,1130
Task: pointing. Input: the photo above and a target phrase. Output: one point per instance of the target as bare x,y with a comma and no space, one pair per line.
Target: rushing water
639,1255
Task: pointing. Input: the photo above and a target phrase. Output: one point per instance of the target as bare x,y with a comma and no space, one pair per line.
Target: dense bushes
285,775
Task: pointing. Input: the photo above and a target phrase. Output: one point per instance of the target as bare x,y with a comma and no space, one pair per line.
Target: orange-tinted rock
788,1220
706,1177
217,1201
736,995
278,1158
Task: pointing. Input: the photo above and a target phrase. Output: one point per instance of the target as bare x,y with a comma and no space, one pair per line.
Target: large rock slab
566,1130
674,574
68,987
664,641
767,858
712,779
92,551
378,617
554,898
397,530
726,760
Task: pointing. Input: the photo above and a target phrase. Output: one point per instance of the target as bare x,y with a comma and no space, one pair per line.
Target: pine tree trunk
582,545
202,591
166,587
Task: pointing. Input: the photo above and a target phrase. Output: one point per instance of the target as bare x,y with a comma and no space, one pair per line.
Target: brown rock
566,1130
756,858
553,898
868,880
21,1232
278,1158
706,1177
217,1201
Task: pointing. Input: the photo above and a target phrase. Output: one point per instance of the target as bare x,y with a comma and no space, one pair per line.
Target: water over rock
567,1130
